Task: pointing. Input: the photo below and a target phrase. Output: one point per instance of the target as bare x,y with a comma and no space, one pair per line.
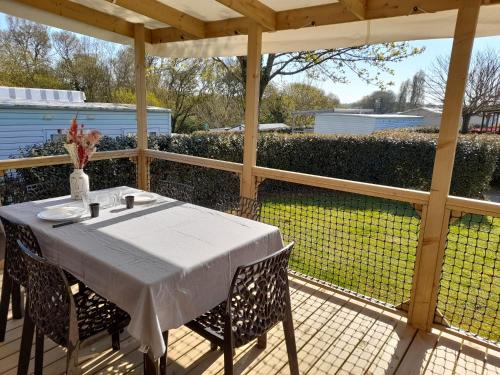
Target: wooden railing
418,199
455,206
43,161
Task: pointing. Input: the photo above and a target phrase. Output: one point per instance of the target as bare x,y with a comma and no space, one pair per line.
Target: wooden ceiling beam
190,26
254,10
86,15
356,7
320,15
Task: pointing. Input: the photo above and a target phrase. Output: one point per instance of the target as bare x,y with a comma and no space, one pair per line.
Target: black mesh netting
469,292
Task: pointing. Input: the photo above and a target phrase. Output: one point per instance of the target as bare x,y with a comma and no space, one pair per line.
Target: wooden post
431,249
141,109
254,48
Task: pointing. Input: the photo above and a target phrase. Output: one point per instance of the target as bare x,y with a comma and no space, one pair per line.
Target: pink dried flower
94,136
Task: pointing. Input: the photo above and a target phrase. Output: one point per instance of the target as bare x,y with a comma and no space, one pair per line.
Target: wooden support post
141,110
430,251
254,49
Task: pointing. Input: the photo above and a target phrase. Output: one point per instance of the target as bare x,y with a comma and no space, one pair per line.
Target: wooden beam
141,108
86,15
42,161
356,7
254,52
364,188
431,248
320,15
154,9
196,160
254,10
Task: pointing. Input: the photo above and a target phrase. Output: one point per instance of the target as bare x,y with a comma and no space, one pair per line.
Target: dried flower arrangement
81,144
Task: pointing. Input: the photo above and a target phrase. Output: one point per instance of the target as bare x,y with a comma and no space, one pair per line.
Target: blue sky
356,88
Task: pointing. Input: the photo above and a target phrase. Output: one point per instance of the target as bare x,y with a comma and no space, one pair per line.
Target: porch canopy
207,28
204,28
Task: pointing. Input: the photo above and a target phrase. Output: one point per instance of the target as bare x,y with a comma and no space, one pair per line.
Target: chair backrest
50,302
44,190
244,207
14,260
259,296
176,190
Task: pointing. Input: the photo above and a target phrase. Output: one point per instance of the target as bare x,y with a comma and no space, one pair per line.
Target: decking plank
334,334
370,346
387,359
420,351
444,357
213,363
308,320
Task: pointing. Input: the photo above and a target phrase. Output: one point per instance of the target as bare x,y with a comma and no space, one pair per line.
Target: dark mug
129,200
94,209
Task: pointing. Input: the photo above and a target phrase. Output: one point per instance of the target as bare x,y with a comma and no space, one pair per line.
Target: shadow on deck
335,335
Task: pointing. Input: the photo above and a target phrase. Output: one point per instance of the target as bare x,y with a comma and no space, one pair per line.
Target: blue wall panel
22,126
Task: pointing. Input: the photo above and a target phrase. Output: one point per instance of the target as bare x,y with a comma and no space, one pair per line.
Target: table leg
150,364
159,366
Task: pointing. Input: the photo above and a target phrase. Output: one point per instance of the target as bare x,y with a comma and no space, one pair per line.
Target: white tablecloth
164,263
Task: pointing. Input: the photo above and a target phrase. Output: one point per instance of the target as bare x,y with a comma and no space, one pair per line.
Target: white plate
61,213
142,198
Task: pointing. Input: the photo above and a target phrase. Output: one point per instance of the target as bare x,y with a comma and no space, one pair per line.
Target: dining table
165,262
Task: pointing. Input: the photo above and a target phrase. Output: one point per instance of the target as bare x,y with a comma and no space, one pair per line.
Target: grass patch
368,245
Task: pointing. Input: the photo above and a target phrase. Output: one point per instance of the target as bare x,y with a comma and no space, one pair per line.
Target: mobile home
34,116
349,123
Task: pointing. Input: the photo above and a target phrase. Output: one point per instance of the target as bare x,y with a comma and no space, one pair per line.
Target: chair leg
262,341
213,347
4,303
115,340
17,301
72,367
228,359
26,343
291,347
39,352
163,358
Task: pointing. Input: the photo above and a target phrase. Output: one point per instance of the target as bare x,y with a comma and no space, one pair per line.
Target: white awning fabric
404,28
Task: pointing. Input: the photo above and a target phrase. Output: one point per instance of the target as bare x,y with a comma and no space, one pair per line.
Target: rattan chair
66,318
244,207
14,273
176,190
258,299
46,189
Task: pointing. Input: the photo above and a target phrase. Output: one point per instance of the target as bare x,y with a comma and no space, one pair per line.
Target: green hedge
402,159
399,158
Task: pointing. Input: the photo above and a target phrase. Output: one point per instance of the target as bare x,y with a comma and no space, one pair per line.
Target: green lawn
368,245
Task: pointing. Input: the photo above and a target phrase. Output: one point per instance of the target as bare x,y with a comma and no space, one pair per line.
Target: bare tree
417,89
482,88
404,93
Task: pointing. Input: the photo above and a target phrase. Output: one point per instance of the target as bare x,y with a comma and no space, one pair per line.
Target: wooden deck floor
335,335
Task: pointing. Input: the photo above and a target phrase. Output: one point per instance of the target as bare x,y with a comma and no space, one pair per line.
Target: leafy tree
180,86
281,104
25,55
482,88
331,64
81,66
